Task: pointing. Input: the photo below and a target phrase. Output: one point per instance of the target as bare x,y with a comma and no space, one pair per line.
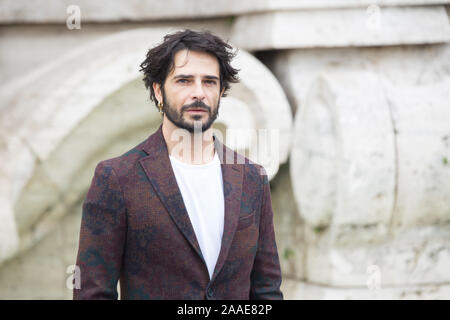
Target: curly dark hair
159,60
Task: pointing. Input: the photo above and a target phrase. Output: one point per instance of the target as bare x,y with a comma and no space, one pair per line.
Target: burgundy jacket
135,228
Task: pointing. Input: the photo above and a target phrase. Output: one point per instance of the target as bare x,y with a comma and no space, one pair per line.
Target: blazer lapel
159,171
232,176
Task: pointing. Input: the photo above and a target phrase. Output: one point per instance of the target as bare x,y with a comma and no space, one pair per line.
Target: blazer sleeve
102,237
266,272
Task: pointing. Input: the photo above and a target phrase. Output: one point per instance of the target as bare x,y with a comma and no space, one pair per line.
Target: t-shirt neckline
214,161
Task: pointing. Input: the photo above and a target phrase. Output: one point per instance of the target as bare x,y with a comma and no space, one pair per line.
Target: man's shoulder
255,169
250,167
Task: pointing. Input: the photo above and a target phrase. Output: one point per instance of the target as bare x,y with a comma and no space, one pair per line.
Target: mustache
197,104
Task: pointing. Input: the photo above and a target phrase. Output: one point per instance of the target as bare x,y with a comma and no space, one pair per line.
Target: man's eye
182,81
210,81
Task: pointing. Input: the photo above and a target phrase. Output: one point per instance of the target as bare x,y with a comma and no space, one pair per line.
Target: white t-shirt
201,187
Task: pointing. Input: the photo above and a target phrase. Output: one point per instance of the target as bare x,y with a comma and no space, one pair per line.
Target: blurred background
357,92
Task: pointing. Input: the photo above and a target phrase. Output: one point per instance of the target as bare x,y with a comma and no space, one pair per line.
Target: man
180,220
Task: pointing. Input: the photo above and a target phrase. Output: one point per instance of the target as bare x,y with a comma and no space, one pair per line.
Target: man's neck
192,148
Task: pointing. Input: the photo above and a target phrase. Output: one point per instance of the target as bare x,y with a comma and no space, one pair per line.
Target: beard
177,117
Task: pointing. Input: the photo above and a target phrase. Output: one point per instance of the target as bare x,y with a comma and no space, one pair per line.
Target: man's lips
196,110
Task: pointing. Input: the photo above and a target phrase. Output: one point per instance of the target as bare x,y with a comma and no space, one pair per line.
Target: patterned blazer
135,228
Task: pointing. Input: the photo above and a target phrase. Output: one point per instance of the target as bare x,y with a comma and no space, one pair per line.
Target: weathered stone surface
370,177
415,256
115,10
268,106
41,271
342,28
297,290
343,156
9,237
289,226
402,65
421,115
25,48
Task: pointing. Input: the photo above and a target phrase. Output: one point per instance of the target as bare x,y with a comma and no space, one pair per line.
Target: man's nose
198,92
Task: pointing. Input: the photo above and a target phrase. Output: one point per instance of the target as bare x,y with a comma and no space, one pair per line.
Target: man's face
191,90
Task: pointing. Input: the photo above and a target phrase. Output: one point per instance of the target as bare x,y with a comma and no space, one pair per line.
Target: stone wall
357,92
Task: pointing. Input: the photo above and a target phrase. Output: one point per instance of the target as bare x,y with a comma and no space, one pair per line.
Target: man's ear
157,90
221,93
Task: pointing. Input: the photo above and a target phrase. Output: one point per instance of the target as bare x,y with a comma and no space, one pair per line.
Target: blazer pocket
246,221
